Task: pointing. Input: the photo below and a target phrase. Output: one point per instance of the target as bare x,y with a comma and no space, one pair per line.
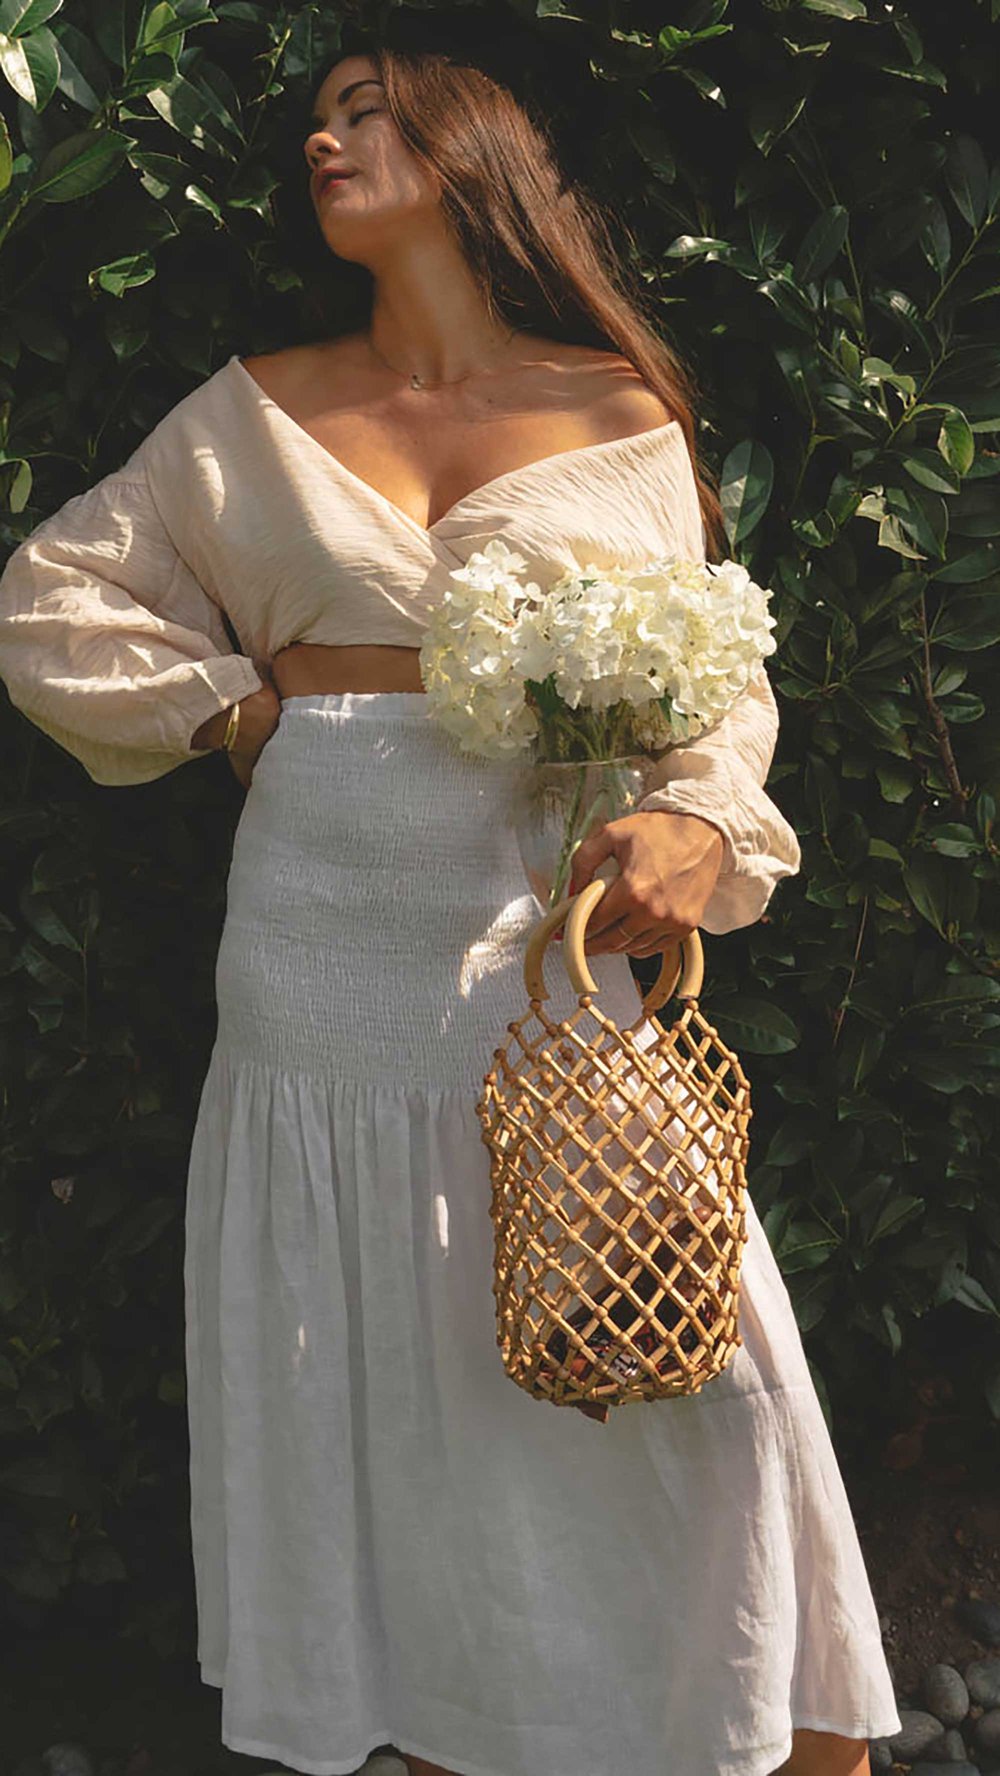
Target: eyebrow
348,92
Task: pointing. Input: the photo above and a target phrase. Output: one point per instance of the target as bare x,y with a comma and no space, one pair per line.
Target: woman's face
387,189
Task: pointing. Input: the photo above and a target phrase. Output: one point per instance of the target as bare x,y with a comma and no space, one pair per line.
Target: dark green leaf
806,1244
83,73
747,479
955,840
31,66
923,516
842,9
79,164
935,239
653,143
756,1025
975,564
690,246
956,443
965,707
941,890
968,179
968,620
971,1293
770,116
896,1213
141,1227
895,783
822,243
928,468
193,109
123,274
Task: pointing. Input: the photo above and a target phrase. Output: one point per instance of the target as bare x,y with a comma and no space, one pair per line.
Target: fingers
630,934
622,943
620,939
616,907
241,771
651,947
620,922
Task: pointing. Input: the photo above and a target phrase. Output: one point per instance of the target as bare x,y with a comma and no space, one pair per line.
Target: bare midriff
306,669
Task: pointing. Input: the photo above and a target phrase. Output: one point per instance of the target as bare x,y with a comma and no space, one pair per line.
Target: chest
294,545
424,479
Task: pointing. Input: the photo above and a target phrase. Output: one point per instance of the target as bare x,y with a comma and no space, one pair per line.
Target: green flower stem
611,794
568,847
600,739
598,747
559,723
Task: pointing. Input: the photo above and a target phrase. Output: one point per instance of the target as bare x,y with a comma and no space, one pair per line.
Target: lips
325,180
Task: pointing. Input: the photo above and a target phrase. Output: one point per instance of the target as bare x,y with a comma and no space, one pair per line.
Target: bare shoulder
293,368
609,389
622,397
633,407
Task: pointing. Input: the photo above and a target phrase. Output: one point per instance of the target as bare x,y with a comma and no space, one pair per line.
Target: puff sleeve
108,642
720,775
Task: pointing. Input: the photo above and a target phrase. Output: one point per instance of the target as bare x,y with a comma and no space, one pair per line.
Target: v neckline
429,531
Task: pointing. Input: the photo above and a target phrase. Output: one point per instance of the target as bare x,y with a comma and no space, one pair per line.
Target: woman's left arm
720,776
667,867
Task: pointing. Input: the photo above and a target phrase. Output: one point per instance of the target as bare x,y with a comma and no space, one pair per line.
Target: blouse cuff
200,690
760,847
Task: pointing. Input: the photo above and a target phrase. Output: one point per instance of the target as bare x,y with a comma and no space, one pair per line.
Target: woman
393,1544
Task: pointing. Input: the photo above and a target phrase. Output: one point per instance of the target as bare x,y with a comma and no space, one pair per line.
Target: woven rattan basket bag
617,1164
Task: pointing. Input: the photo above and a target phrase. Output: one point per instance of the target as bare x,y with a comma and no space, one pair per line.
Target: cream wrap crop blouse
112,639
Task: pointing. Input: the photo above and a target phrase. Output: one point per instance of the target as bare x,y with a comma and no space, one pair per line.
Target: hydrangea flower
611,660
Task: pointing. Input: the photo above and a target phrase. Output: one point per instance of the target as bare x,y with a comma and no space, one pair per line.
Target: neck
428,315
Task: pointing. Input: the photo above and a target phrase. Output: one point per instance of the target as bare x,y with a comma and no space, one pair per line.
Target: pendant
415,381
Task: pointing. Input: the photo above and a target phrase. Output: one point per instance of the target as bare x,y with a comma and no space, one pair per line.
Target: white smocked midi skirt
392,1542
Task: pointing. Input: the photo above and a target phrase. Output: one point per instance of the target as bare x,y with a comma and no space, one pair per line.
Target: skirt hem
354,1767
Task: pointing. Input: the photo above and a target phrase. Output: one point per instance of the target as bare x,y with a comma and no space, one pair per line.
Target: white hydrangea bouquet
602,671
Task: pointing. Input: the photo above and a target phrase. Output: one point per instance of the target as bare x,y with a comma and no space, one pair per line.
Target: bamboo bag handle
574,910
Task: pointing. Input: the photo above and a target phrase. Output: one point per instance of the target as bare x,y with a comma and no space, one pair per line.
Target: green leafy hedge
804,187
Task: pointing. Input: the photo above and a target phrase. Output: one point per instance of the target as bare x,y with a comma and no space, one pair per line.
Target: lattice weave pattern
618,1174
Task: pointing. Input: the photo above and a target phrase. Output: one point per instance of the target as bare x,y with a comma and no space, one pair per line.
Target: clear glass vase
559,804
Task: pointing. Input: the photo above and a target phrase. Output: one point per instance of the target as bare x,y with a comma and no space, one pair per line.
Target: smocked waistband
361,703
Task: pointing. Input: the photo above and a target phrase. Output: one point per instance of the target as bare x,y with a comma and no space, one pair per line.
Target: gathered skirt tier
392,1542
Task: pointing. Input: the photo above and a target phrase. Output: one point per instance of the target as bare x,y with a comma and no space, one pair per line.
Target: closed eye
316,123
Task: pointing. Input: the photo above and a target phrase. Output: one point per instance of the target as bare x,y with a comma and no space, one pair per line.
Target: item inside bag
601,1339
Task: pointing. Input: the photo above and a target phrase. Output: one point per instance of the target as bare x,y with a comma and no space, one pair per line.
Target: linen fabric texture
114,611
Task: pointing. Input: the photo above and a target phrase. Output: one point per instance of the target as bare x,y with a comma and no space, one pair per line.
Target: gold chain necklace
419,382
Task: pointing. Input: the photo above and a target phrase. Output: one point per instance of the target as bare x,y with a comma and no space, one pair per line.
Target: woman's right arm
257,721
109,644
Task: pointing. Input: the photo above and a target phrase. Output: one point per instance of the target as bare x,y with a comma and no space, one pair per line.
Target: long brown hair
540,249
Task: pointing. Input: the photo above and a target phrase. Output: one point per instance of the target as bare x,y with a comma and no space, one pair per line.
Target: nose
321,143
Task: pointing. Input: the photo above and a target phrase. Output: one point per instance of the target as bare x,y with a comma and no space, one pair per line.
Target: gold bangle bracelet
232,728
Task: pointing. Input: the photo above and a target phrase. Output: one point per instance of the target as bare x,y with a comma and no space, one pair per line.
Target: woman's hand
259,712
259,715
669,866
